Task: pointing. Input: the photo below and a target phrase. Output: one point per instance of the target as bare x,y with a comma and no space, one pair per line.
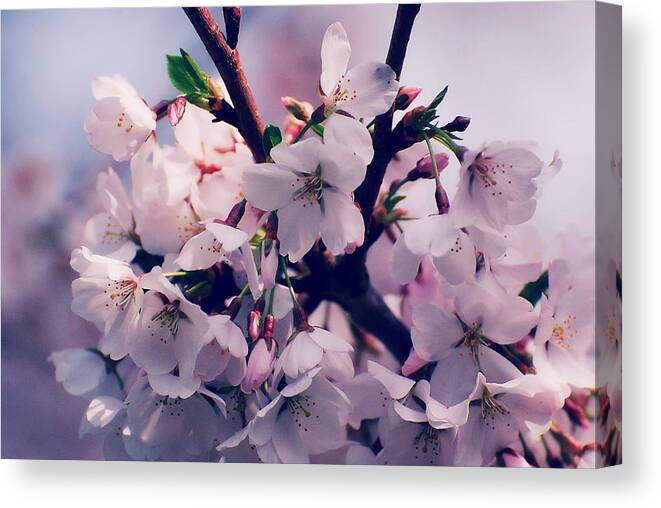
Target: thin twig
228,63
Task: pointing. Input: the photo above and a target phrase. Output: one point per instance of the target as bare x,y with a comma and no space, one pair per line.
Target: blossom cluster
212,346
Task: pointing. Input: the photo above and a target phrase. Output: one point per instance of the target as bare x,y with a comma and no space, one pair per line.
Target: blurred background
520,71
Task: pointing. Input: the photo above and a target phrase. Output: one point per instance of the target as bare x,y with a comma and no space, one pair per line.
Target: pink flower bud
425,166
459,124
254,324
269,325
176,110
442,200
413,363
236,214
269,265
298,109
406,96
260,364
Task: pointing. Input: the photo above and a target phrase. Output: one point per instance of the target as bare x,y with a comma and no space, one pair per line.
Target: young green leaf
438,99
186,75
272,137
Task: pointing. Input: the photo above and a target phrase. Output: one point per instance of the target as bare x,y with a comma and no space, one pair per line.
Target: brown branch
232,17
228,63
347,282
384,146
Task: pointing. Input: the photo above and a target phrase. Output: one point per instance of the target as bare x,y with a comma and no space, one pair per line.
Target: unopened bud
413,363
269,264
176,110
442,201
459,124
298,109
406,96
254,324
236,213
272,227
260,364
425,169
409,121
301,319
269,324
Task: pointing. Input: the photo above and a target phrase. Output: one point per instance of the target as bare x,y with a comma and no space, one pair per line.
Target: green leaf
438,99
198,75
533,290
272,137
186,76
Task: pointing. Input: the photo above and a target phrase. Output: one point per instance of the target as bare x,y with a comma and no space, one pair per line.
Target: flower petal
268,186
298,227
371,89
335,53
349,132
341,222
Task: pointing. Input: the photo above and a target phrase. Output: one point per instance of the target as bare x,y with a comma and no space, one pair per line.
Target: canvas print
358,234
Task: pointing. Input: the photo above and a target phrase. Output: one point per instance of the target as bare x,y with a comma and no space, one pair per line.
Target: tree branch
346,282
228,63
368,192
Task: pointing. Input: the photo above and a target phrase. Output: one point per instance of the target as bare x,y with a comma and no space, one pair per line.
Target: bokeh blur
517,70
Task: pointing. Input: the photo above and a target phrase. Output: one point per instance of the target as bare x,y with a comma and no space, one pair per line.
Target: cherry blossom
363,91
312,347
305,418
497,186
109,294
458,341
308,184
210,246
498,412
170,333
110,232
452,250
120,121
564,341
80,371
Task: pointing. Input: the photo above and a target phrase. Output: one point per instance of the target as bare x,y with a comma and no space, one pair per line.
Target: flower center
427,442
564,331
311,189
168,317
170,406
302,409
120,293
491,408
123,124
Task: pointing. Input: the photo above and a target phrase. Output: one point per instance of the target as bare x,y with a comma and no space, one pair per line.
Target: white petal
298,227
200,252
458,264
398,386
371,89
405,264
340,167
335,53
329,342
341,223
268,186
434,332
347,131
102,410
302,156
